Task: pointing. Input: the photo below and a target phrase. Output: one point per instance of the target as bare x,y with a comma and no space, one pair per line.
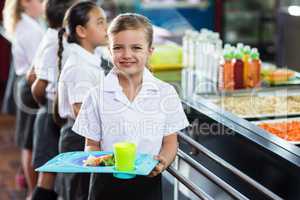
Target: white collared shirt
27,37
46,61
108,116
81,72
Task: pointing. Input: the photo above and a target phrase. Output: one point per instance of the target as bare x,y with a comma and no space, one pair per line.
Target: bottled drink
240,46
238,70
246,57
228,71
192,48
255,68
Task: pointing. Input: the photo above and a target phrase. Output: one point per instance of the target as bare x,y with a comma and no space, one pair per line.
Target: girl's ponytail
61,33
57,119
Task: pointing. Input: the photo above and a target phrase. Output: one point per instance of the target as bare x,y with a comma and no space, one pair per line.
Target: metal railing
190,185
208,174
193,187
215,179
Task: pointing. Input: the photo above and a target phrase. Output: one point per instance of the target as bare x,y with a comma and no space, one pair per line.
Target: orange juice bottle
228,71
246,57
255,68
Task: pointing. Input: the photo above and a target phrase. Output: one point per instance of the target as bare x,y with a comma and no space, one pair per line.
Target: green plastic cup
125,155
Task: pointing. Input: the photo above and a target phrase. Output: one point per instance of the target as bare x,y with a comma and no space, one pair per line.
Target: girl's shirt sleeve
25,47
46,65
30,43
80,82
88,121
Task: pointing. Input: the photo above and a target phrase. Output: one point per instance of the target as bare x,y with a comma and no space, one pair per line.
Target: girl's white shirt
108,116
25,42
46,61
81,72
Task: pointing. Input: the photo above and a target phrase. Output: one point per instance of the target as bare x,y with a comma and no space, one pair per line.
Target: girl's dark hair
77,15
55,12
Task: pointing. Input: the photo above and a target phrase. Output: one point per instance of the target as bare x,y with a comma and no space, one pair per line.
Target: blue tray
72,162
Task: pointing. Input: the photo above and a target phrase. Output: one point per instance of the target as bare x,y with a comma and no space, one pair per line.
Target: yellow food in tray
279,76
166,57
255,106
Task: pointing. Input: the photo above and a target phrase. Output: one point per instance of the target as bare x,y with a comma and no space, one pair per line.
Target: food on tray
105,160
252,106
279,75
286,130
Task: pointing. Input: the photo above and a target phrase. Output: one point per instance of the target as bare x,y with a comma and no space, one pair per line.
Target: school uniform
108,116
27,36
46,137
81,72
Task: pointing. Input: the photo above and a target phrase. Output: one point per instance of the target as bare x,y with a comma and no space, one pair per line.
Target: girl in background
86,29
21,25
46,137
131,105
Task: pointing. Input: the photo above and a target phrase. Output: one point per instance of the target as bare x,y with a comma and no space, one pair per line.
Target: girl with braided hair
85,30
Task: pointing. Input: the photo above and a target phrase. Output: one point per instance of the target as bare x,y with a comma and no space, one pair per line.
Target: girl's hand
160,167
31,76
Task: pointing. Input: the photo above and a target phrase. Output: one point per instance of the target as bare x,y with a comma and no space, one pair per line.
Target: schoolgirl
86,29
131,105
46,136
21,24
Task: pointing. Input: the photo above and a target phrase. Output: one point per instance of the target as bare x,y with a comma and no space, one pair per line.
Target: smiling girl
131,105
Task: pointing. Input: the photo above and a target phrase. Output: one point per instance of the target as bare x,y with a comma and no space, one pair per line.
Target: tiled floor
9,161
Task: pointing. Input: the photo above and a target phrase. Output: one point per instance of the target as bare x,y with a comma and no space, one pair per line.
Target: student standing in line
131,105
46,136
22,26
86,29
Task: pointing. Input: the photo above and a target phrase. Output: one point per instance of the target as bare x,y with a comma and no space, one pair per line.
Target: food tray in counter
250,107
287,129
280,76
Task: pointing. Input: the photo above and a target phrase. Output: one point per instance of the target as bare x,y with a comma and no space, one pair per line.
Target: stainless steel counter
268,160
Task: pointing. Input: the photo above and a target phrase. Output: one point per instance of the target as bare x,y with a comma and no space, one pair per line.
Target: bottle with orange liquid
228,81
254,70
